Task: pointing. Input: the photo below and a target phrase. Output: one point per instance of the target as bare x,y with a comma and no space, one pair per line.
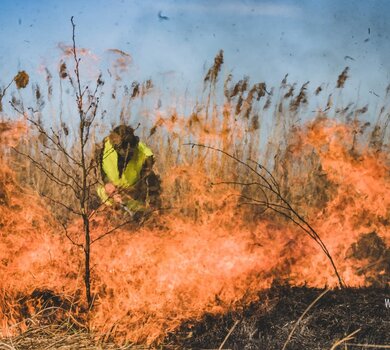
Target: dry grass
245,119
59,337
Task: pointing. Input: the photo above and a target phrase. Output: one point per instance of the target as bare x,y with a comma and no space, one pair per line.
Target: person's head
123,140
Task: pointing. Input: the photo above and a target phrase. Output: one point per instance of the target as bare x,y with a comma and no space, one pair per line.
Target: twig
5,346
56,342
299,219
254,204
348,337
6,88
118,191
62,169
302,316
129,222
228,335
79,94
62,204
42,131
70,239
374,346
111,231
269,174
244,184
235,159
48,173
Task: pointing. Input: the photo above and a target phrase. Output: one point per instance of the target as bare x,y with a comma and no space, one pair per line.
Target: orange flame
174,269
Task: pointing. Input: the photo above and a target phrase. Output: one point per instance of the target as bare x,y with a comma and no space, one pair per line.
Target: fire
361,203
206,257
177,274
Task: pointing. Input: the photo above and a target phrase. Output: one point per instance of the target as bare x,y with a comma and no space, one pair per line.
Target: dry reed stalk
228,335
344,340
302,316
370,346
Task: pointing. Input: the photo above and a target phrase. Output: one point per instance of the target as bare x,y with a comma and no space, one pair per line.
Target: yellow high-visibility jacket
129,176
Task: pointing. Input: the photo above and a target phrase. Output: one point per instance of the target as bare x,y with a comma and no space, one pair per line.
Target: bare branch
77,71
268,172
119,191
270,187
62,204
48,173
254,204
57,143
274,188
48,156
244,184
17,109
42,131
111,231
70,238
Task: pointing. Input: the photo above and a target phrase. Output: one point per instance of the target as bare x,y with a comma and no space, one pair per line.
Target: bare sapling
77,172
272,199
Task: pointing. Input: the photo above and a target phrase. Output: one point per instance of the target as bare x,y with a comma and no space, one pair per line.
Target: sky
174,41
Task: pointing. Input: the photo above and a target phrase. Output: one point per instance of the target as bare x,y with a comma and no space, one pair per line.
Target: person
126,167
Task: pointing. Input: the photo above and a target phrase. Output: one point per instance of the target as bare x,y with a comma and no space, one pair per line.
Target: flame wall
148,281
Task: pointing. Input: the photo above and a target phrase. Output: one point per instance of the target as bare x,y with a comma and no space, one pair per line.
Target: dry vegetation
246,120
240,118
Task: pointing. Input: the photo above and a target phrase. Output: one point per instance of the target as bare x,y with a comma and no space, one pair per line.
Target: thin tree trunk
87,251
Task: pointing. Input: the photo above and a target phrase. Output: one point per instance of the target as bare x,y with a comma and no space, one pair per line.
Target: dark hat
123,136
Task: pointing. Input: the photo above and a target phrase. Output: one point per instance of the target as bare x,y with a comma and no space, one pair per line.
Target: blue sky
262,39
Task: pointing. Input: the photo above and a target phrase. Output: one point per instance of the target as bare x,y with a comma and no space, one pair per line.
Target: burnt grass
266,324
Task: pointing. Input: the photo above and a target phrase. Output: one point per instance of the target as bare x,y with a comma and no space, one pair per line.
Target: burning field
263,241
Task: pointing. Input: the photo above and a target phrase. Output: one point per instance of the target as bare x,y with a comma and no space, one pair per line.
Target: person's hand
111,191
109,188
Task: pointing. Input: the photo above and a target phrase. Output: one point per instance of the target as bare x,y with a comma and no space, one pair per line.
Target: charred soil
267,323
264,324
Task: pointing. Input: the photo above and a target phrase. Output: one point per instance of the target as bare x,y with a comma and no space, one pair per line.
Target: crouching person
126,166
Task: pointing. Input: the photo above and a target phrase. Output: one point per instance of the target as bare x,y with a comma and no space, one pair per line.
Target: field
269,199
